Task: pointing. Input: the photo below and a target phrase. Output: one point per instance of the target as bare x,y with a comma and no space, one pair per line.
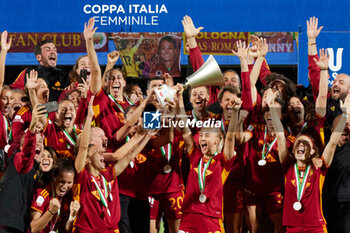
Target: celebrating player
202,206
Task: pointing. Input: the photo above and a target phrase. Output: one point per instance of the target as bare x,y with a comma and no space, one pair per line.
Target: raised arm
190,31
241,135
314,71
89,31
186,132
312,33
263,48
80,160
39,221
277,125
24,160
120,166
5,46
329,150
321,101
133,118
112,58
73,211
121,152
242,54
229,147
32,84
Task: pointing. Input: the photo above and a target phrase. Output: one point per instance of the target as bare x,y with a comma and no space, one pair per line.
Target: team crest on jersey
141,158
40,201
270,158
95,193
18,118
294,184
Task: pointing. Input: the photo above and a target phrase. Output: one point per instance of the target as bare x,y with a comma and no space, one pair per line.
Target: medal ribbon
223,125
304,125
194,115
201,175
105,196
263,153
6,129
300,186
128,100
116,103
69,138
168,154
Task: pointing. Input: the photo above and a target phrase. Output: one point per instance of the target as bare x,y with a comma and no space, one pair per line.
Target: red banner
65,42
218,43
222,43
279,42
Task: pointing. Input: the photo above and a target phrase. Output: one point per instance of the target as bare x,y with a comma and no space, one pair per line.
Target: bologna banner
149,54
65,42
222,43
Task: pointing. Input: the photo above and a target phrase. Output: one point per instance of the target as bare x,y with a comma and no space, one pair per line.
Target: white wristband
71,218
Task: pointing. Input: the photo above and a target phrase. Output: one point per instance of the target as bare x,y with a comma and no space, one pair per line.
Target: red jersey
263,179
60,140
93,215
19,82
109,115
133,180
247,103
20,124
40,203
314,74
161,182
82,111
216,175
310,214
5,130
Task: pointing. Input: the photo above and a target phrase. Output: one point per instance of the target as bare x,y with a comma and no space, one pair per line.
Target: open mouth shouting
46,96
61,191
204,147
67,119
229,110
16,107
335,92
46,165
52,60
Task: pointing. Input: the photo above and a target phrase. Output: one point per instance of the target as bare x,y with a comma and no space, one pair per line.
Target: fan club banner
65,42
222,43
149,54
279,42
